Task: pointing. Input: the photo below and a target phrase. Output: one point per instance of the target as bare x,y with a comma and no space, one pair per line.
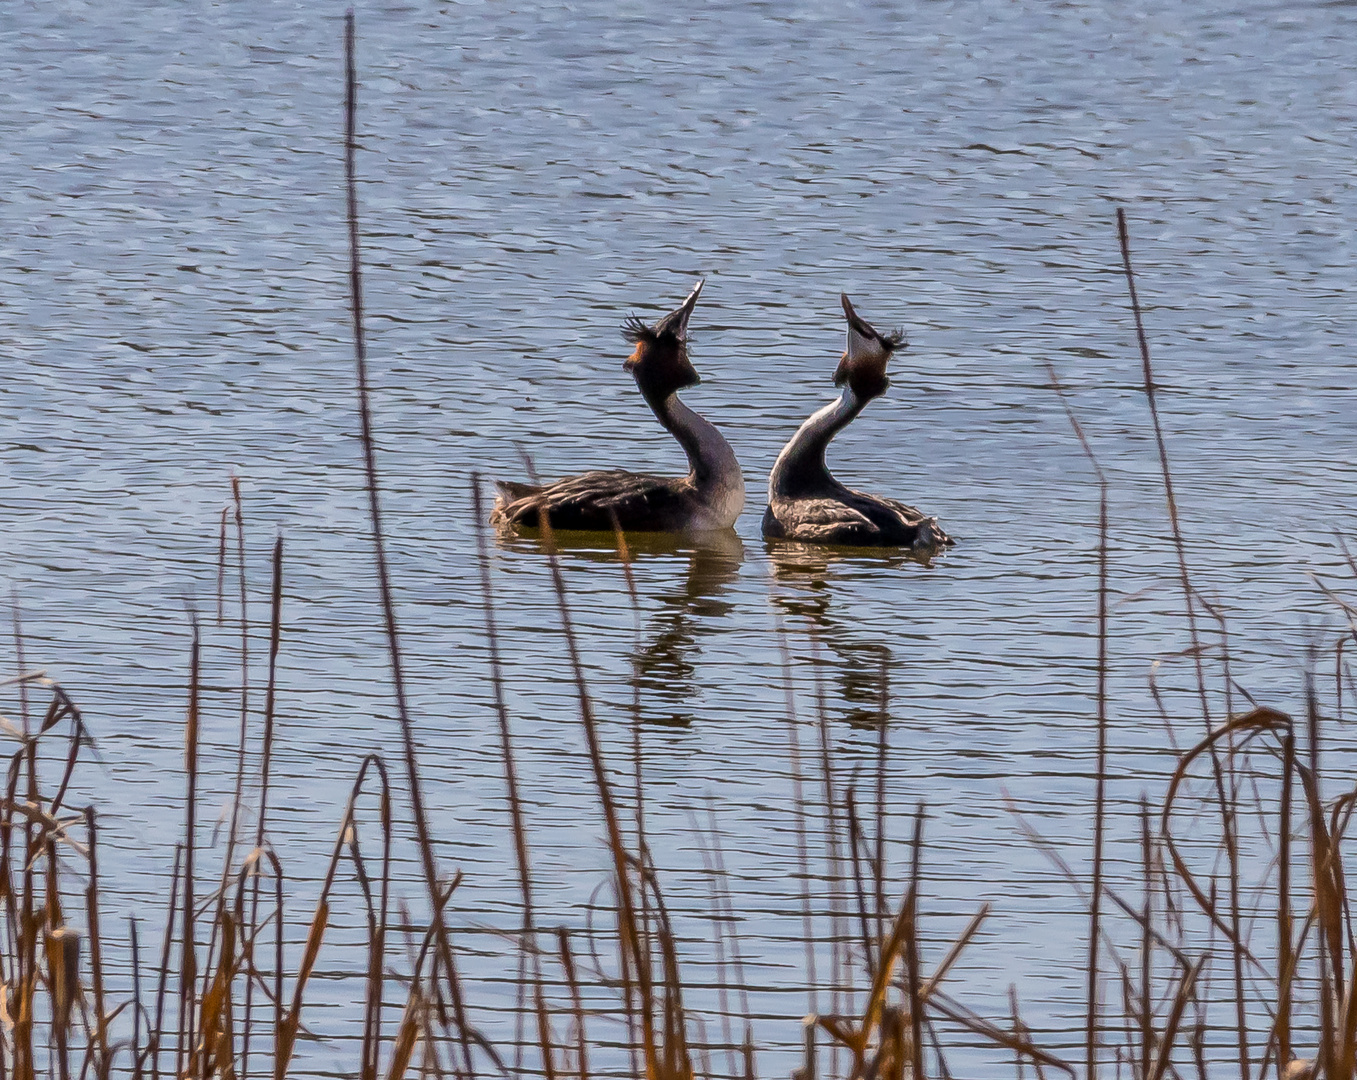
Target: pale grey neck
800,468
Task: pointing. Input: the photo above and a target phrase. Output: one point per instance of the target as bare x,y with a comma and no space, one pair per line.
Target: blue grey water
173,313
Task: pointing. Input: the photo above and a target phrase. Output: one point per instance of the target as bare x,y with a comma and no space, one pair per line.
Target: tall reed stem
1225,797
423,835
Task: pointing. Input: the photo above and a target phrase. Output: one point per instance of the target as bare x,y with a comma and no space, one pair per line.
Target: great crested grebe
710,497
805,502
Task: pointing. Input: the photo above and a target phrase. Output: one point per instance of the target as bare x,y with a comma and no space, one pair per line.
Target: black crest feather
635,329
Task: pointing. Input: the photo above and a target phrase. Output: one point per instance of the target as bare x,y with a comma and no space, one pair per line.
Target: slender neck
710,457
801,465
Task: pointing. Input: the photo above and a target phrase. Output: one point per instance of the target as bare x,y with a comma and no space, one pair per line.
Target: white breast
724,500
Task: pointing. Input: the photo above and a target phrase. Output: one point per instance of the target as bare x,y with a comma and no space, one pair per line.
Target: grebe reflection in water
688,576
861,664
665,663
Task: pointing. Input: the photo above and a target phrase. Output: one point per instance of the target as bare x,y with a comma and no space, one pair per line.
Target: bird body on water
709,497
805,502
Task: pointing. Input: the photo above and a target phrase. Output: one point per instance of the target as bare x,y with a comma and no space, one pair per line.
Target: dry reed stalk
1285,919
221,568
716,915
1019,1062
62,707
1091,989
238,797
1163,1052
953,953
265,767
724,920
213,1053
638,775
292,1018
917,1001
1147,943
28,921
675,1053
1256,721
1189,594
9,954
406,1034
800,811
188,972
882,748
898,1032
663,1045
732,919
855,843
1337,1053
96,954
577,1004
528,935
137,1069
250,876
1226,799
271,688
61,946
288,1021
840,962
228,858
377,932
423,836
157,1032
1019,1040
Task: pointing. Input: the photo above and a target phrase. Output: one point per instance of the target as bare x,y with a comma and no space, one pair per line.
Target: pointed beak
676,322
862,339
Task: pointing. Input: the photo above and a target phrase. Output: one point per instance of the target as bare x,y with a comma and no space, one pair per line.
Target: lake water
173,312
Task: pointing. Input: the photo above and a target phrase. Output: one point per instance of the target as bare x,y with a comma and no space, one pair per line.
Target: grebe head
863,366
660,361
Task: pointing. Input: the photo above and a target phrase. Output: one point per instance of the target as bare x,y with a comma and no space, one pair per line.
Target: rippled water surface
173,313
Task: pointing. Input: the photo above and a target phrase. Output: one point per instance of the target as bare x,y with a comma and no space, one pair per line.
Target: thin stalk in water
1225,800
423,835
1092,991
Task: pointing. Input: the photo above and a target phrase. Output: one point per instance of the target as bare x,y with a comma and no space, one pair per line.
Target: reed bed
1238,951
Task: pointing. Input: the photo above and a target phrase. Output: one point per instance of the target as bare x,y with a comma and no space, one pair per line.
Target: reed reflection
861,665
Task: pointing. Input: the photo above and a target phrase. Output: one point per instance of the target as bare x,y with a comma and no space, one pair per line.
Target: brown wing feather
900,523
852,518
590,501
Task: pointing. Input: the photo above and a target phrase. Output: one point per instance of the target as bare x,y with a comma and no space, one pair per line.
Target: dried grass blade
1009,1040
1164,1050
423,835
286,1038
953,954
407,1034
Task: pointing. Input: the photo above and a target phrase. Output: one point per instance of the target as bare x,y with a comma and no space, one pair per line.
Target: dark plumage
853,519
805,502
709,497
590,501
